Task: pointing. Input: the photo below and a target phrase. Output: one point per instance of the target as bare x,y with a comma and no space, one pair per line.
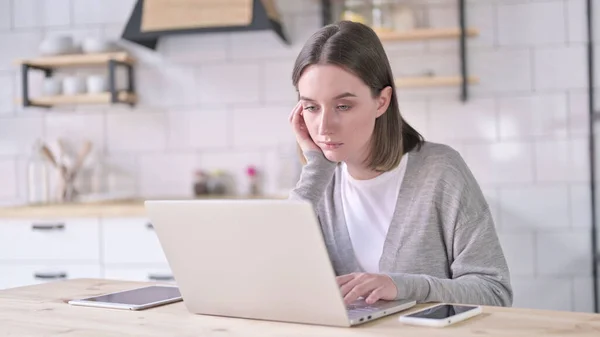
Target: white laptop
256,259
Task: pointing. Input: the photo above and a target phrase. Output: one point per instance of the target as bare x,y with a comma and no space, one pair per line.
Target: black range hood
260,21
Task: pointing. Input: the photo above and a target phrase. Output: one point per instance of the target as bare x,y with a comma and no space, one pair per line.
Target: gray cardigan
441,245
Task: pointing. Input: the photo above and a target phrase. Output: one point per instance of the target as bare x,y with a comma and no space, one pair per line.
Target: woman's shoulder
436,156
441,165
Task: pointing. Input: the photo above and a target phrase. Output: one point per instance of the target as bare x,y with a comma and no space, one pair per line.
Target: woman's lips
330,145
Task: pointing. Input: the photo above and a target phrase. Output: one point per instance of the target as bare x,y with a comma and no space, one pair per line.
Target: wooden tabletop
41,310
98,209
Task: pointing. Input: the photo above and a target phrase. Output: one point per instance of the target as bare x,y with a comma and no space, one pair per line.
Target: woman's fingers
295,110
343,279
362,289
376,295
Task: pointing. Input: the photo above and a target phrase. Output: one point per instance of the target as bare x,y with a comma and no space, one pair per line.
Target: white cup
97,84
51,86
73,85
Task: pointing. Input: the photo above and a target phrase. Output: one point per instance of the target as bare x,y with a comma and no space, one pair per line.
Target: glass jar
382,16
357,11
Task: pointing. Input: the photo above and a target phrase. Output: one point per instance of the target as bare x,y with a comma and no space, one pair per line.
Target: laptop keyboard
363,308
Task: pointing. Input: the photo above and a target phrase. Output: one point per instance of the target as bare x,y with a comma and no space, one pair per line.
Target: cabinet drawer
131,241
23,275
143,274
57,240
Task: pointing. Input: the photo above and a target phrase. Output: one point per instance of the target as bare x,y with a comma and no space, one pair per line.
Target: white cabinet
130,241
27,274
44,250
50,240
144,274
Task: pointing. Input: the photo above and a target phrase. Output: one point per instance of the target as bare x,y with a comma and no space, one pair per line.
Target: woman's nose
328,123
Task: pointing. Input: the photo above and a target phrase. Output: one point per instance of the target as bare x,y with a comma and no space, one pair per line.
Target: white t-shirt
368,209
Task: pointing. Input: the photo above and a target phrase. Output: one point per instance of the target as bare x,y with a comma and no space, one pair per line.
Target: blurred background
204,114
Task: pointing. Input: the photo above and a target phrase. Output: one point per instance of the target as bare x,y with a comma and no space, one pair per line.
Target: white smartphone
133,299
441,315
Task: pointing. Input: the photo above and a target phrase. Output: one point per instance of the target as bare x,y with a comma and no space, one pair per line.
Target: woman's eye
309,108
344,107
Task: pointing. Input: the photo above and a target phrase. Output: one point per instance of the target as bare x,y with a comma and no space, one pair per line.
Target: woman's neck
361,172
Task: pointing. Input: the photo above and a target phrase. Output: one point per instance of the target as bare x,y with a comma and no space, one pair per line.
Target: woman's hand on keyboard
371,287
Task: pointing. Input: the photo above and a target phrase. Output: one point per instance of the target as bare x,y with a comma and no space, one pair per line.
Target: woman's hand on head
301,130
371,287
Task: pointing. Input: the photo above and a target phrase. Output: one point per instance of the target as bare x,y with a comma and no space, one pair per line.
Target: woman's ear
383,101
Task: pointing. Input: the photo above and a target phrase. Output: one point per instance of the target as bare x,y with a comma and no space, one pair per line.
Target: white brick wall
220,101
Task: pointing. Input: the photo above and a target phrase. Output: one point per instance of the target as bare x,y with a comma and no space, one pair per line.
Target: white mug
73,85
52,86
97,84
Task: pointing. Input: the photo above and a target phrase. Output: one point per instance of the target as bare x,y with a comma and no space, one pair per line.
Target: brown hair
357,48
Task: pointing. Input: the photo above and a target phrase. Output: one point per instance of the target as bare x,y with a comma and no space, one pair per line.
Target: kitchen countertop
41,310
111,208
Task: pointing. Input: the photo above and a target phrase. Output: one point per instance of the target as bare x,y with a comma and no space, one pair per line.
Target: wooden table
41,310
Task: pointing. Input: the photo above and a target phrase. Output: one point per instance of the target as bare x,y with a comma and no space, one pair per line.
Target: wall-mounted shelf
432,81
73,60
426,34
103,98
461,33
48,64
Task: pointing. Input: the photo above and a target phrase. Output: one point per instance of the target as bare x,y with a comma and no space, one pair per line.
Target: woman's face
340,111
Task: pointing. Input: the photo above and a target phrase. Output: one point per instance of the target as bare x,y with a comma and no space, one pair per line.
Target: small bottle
253,181
200,183
38,176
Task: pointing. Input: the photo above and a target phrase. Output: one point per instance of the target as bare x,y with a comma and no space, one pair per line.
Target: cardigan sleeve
478,268
316,175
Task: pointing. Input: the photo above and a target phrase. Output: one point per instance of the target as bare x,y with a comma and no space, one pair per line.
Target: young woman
402,218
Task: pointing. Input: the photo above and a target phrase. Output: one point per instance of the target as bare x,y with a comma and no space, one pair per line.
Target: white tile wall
101,11
576,18
526,117
581,206
226,83
22,45
582,301
447,120
163,175
521,24
501,163
579,117
266,128
5,14
562,160
191,129
76,128
560,68
220,101
19,135
41,13
278,88
505,70
416,113
534,208
7,94
8,189
550,293
519,250
564,254
136,131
